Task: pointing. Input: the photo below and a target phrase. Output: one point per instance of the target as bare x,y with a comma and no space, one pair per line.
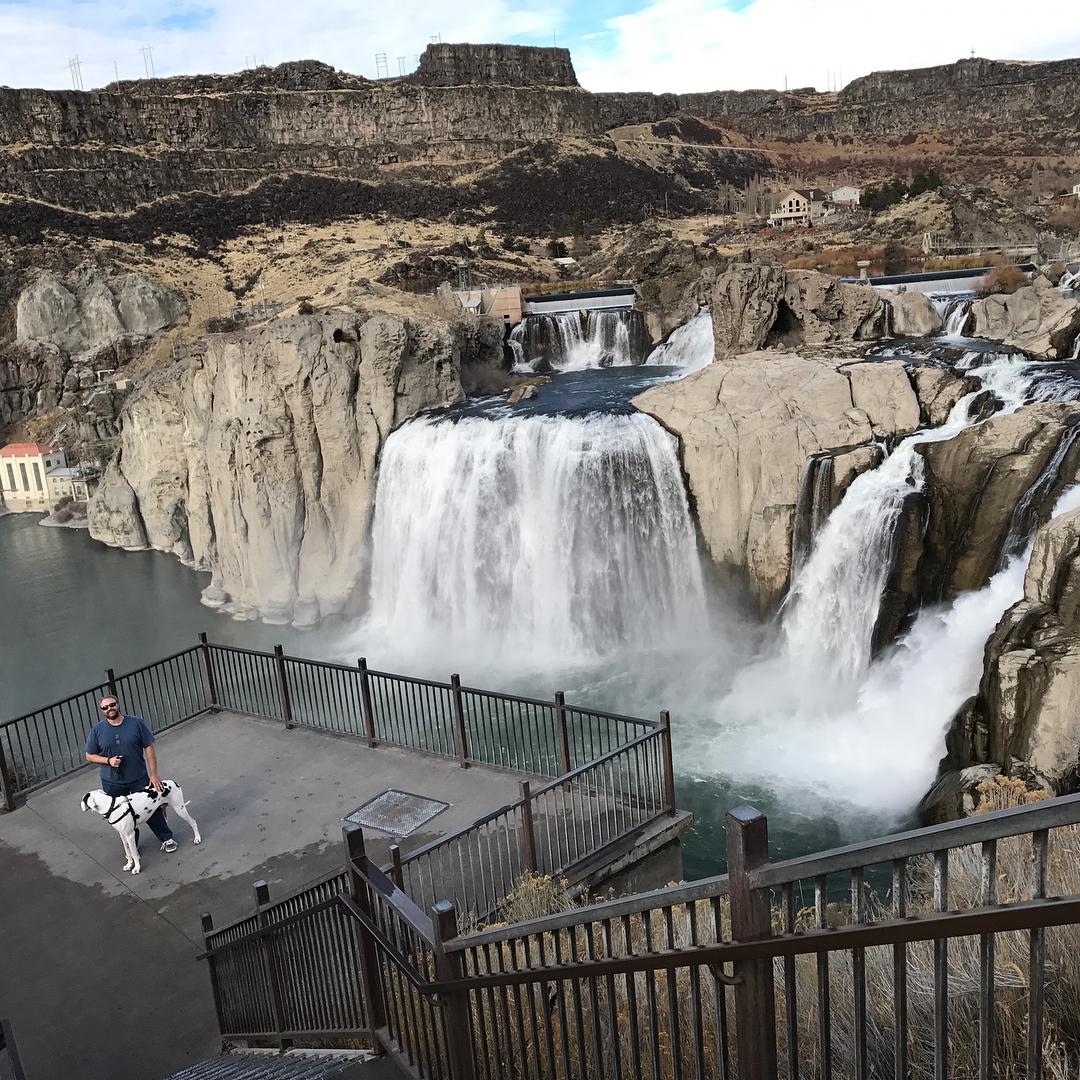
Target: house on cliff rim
805,207
846,195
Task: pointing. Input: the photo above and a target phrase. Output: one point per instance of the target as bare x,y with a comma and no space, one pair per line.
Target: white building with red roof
24,475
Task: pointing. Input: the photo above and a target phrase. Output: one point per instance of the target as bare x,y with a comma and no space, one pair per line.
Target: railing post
208,929
669,767
365,701
7,783
457,1021
371,983
262,901
751,919
564,733
211,678
459,721
283,686
397,874
527,829
110,680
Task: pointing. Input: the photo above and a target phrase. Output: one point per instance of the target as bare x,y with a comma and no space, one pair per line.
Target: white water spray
573,340
545,539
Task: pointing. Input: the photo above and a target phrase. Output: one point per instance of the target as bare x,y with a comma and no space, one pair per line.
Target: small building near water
73,482
24,475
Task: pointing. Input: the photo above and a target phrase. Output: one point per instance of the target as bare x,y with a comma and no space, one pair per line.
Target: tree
556,249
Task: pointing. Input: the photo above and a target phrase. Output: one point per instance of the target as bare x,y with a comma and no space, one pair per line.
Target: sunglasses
108,706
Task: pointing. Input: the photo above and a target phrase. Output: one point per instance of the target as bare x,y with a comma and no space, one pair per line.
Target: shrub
1002,279
63,515
223,324
305,308
556,249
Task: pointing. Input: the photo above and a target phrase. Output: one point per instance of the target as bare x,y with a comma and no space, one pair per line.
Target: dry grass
663,1025
1002,279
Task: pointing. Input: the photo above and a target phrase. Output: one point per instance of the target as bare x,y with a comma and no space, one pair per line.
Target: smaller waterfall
813,507
690,346
576,340
956,317
833,604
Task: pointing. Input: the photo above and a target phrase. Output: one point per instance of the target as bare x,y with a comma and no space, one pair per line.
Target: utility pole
381,70
75,67
116,72
148,61
401,65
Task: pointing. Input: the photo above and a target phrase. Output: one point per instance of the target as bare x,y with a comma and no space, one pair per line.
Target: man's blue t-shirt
130,740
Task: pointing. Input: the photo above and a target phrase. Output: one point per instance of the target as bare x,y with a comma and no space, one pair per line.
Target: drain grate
397,812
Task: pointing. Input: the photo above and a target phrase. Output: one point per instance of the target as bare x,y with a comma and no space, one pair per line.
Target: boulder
94,309
912,314
754,305
938,391
1044,322
748,423
255,456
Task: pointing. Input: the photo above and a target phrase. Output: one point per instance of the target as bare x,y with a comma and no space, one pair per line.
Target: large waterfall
575,340
545,539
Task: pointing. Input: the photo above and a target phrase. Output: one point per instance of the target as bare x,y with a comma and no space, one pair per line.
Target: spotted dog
126,812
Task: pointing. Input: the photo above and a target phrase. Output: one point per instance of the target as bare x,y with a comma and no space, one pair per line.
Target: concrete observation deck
100,976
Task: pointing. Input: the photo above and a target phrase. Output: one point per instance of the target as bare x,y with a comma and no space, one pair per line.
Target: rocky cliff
255,457
138,141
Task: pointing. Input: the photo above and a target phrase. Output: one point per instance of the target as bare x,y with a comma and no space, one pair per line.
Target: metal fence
963,963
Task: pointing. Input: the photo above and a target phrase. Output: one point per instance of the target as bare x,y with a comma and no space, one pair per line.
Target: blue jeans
158,825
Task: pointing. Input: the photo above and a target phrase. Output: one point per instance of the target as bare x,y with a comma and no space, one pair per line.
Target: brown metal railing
733,976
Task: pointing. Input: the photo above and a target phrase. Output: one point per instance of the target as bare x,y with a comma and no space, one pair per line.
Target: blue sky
658,45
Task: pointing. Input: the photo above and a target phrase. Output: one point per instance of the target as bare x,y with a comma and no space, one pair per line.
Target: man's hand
155,782
115,761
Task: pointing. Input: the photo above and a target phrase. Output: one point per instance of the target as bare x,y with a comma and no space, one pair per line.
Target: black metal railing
952,967
9,1052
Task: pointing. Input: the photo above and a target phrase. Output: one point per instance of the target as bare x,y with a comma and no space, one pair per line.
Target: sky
664,45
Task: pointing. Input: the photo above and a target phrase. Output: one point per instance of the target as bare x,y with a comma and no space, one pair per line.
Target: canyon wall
469,104
255,457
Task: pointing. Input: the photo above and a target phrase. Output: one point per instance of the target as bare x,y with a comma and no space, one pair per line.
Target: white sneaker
169,845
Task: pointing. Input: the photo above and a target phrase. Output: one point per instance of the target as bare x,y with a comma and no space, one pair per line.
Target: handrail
401,961
1029,915
636,904
7,1042
1053,813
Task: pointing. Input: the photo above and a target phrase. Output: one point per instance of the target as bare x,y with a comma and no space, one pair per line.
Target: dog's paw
128,865
198,839
136,869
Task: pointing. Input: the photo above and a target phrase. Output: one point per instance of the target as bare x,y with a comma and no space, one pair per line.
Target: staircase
292,1065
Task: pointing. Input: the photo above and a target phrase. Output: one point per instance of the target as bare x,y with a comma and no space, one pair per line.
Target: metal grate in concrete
396,812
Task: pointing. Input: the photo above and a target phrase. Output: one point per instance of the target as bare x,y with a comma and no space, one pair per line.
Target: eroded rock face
94,310
1042,321
256,457
31,380
748,423
913,315
1028,709
755,305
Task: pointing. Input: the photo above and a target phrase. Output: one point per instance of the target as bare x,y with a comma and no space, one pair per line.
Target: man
124,748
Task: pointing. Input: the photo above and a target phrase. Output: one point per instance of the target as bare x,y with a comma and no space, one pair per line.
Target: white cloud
37,39
692,45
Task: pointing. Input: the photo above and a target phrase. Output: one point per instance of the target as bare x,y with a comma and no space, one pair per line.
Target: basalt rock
255,456
755,305
913,315
94,310
1042,321
748,423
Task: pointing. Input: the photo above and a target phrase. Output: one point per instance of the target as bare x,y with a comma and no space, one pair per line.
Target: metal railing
544,738
946,968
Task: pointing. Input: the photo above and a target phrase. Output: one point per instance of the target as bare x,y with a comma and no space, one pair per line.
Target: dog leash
127,810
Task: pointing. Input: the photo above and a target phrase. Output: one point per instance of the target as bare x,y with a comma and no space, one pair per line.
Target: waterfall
956,317
545,538
690,346
575,340
813,507
832,606
1022,523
